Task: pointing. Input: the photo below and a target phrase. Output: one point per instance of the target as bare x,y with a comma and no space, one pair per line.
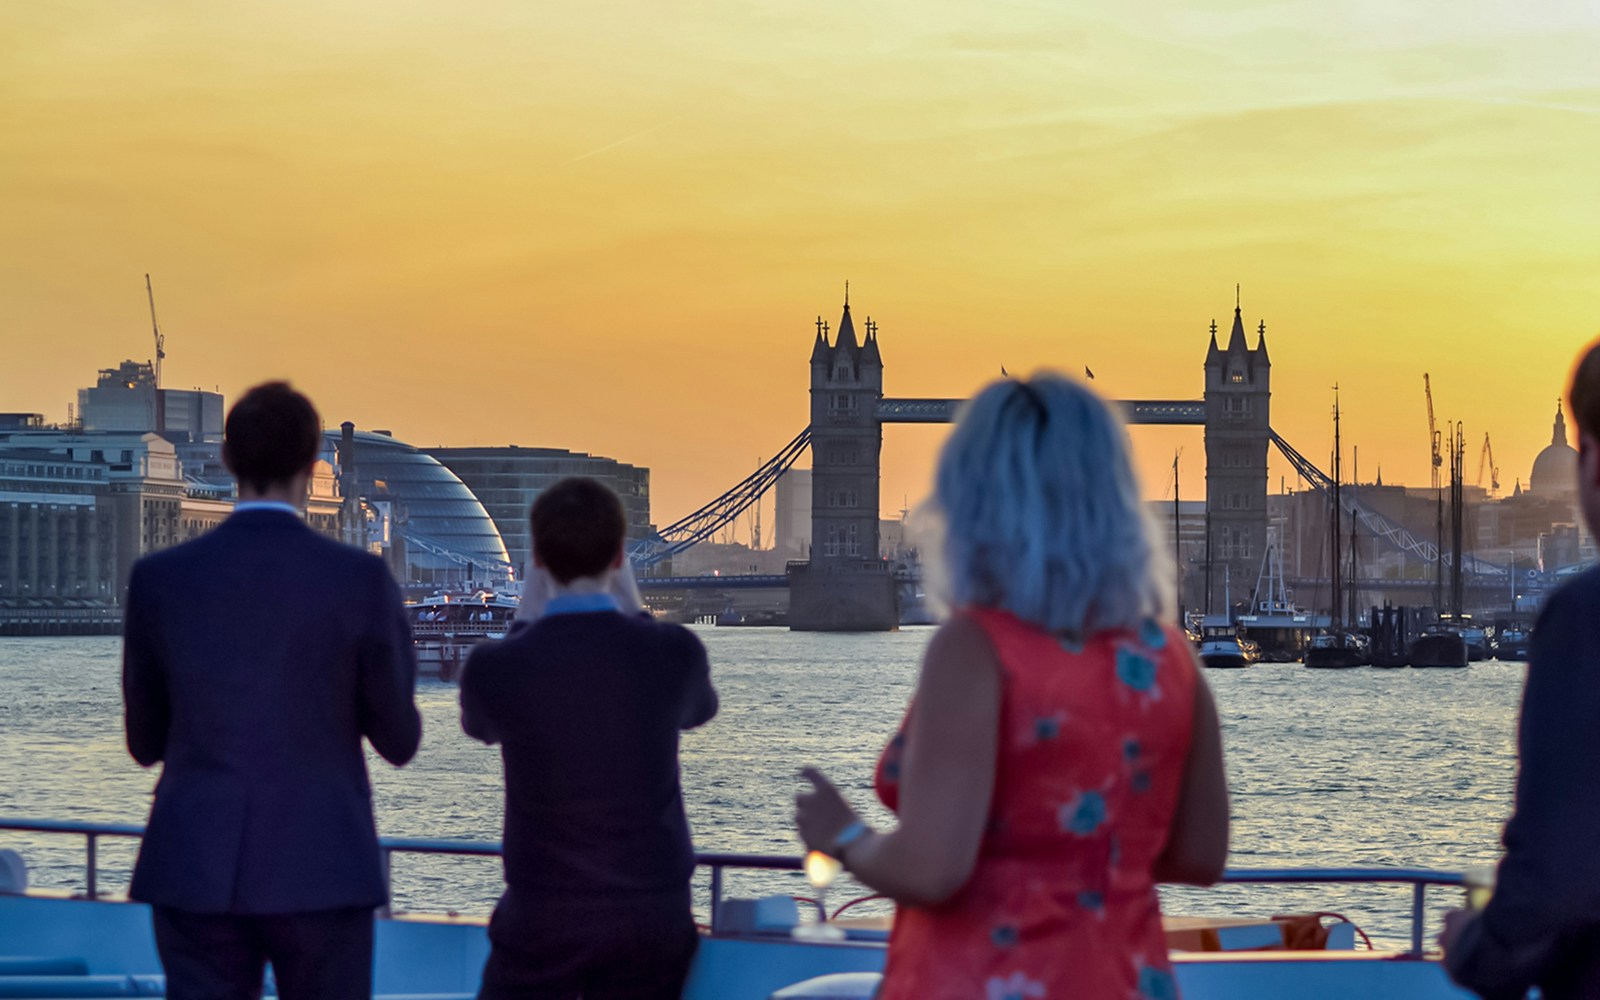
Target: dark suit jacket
587,709
254,660
1542,925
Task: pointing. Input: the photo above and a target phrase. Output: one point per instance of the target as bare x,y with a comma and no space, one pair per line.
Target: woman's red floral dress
1061,903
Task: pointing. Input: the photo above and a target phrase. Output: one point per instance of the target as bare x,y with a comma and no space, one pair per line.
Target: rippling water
1327,768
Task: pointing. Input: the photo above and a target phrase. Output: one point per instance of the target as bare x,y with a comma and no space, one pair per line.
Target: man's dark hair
1584,396
578,528
272,434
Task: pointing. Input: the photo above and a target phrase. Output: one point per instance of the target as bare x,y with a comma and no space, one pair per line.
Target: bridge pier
843,598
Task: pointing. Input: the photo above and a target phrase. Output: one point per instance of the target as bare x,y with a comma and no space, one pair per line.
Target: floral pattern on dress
1157,984
1138,671
1048,727
1084,815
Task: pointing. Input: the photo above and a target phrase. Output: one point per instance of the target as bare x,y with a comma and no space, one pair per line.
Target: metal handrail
1418,878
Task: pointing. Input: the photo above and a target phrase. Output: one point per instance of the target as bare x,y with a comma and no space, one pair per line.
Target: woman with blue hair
1062,753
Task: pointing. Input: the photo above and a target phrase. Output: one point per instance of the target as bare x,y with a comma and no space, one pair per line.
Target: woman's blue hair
1041,514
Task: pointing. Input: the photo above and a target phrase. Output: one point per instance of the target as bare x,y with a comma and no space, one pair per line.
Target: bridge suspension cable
1390,531
714,516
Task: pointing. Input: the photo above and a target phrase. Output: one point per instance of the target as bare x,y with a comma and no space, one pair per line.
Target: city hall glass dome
448,536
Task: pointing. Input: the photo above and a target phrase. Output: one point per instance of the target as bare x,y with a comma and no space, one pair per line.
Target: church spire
1560,434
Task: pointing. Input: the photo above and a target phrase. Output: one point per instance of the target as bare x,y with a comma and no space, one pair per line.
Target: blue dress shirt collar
578,604
277,505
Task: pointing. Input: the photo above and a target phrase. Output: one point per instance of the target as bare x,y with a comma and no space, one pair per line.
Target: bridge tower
1238,432
845,586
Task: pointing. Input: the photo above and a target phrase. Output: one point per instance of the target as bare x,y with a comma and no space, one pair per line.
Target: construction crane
1487,455
1433,430
161,341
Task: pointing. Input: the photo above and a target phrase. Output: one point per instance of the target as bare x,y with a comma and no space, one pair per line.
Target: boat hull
1438,650
1334,658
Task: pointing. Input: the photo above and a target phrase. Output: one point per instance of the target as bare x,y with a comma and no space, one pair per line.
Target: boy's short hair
578,529
272,434
1584,395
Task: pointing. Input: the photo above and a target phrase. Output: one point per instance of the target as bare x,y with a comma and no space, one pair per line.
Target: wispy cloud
658,126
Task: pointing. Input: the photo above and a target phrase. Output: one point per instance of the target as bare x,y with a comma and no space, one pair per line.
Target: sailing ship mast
1336,591
1355,569
1177,536
1458,454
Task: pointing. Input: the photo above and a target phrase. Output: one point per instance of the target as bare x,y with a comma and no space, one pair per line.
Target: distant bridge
1135,411
848,410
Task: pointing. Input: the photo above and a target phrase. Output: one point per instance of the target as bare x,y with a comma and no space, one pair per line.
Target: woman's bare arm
1197,845
946,778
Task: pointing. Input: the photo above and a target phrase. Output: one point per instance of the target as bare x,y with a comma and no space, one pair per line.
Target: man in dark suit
255,658
1542,925
587,703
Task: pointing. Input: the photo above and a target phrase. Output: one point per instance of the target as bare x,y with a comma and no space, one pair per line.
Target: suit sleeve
147,711
700,698
1548,884
476,719
389,717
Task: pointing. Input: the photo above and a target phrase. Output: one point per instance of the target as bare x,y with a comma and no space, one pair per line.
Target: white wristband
853,831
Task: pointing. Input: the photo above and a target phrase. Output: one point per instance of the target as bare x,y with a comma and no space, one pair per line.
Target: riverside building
77,509
508,479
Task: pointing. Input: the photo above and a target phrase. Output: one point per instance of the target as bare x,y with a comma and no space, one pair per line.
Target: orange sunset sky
610,227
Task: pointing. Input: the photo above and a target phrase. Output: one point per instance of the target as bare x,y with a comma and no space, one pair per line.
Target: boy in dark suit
255,659
587,703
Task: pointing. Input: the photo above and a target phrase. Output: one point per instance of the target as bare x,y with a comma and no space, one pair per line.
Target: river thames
1327,768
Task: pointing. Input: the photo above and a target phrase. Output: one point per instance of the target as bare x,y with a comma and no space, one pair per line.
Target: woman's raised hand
821,813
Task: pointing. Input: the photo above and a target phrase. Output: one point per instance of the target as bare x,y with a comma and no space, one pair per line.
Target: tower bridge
846,586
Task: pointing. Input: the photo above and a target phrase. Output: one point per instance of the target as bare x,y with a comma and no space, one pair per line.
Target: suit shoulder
1576,600
346,557
485,659
1582,590
675,640
1567,634
155,565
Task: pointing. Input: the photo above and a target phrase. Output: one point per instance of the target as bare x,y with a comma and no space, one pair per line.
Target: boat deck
64,944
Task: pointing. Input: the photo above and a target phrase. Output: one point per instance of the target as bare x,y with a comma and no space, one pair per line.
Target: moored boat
1338,651
445,627
1221,647
1280,628
1512,643
1438,647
